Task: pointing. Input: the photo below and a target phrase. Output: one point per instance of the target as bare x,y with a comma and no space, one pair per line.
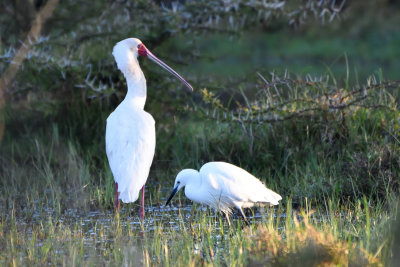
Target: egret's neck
193,185
136,82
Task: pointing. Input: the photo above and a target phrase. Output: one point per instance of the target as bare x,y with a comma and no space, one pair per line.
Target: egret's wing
236,185
130,144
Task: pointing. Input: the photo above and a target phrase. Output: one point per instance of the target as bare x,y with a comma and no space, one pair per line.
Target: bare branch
8,76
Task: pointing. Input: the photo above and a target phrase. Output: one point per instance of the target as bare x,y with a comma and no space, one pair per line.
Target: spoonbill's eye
142,51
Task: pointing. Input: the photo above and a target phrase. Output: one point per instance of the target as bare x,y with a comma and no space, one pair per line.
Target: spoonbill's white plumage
224,186
130,131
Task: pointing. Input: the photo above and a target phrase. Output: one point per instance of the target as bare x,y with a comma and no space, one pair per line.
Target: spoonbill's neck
136,83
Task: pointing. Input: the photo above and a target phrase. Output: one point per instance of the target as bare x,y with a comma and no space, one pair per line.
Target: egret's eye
178,182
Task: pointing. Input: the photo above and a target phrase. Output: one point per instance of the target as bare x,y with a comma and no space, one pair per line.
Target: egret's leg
244,216
116,198
142,205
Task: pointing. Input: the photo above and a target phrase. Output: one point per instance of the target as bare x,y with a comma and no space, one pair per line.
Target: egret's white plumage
130,131
224,186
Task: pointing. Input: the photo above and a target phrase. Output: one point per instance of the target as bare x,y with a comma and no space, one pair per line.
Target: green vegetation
310,108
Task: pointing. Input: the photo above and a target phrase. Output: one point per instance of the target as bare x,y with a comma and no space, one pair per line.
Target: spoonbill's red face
142,50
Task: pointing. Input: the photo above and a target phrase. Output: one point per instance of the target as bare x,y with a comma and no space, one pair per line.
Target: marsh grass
338,235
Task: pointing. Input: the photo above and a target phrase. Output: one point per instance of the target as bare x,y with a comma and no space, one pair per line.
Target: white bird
224,186
130,131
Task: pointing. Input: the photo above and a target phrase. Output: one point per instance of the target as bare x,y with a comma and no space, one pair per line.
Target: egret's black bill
172,195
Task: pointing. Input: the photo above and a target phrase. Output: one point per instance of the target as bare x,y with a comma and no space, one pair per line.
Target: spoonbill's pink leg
142,205
116,198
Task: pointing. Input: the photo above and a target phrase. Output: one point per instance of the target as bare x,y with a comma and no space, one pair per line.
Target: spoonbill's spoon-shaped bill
130,131
143,51
224,186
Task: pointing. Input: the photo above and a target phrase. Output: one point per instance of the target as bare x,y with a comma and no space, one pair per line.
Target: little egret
130,131
224,186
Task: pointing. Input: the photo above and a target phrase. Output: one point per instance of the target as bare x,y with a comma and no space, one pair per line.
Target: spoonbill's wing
130,144
236,185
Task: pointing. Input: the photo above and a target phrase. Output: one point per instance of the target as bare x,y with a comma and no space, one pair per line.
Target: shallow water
102,237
